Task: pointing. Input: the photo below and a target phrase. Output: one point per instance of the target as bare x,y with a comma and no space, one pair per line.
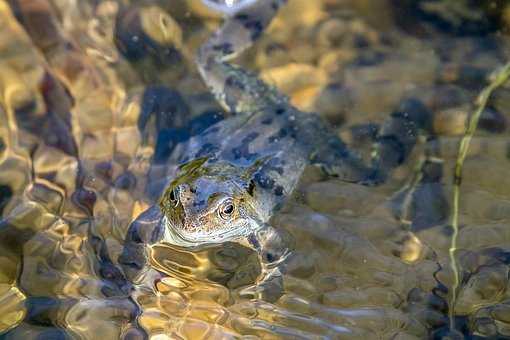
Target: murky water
366,262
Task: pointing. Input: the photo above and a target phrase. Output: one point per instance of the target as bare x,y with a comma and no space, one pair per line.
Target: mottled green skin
254,158
247,164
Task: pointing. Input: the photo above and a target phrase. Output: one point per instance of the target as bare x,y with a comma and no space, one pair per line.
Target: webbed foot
273,247
392,146
145,230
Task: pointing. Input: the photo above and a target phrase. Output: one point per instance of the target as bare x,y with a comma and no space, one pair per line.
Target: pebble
335,61
302,82
492,321
300,265
484,172
485,287
13,309
297,14
482,236
334,103
147,31
335,196
505,16
365,297
485,206
451,122
492,121
500,100
332,32
380,87
301,287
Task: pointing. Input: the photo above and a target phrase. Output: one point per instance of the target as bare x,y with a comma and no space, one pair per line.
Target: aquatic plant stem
498,78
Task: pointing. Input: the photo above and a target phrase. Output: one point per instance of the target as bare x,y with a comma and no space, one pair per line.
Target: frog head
210,203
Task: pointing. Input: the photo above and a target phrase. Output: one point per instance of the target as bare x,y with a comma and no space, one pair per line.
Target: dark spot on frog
253,25
204,121
206,149
275,164
225,48
280,111
233,82
282,133
267,121
251,187
264,181
243,151
278,190
2,145
233,91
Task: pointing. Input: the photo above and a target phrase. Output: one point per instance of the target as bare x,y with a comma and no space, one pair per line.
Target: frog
225,184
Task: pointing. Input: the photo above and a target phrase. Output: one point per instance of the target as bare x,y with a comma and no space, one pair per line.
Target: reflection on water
75,77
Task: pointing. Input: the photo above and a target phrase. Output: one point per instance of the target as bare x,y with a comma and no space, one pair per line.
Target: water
75,77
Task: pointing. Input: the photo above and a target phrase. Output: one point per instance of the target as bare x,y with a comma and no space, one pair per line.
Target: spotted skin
225,183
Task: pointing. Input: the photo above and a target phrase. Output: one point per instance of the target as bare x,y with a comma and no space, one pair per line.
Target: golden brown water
72,82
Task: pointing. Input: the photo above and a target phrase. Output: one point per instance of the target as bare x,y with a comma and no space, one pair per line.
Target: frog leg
398,135
235,89
392,146
147,229
273,247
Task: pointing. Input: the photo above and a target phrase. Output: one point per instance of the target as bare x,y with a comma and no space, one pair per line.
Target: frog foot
273,247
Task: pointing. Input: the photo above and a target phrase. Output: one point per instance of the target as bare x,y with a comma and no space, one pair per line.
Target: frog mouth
177,236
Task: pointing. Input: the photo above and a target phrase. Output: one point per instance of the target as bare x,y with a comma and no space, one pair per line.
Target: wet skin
225,183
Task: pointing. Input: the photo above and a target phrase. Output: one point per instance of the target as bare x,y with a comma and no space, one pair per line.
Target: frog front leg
273,247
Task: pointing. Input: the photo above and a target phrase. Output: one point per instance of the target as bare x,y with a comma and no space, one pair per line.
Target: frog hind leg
392,146
398,135
235,89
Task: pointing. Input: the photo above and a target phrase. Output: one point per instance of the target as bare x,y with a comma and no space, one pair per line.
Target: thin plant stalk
498,78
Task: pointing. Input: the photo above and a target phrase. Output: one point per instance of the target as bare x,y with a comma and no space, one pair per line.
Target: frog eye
226,209
174,197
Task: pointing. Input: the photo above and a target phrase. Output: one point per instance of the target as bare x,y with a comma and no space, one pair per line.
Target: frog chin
178,236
